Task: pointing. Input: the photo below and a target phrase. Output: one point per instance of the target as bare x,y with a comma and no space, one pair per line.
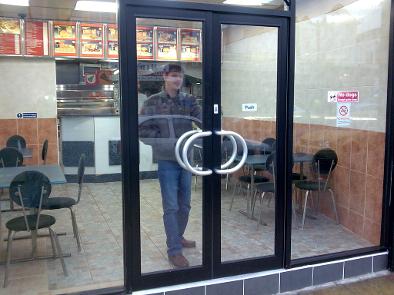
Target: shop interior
61,98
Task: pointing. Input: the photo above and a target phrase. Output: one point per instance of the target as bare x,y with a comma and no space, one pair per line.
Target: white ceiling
56,9
64,9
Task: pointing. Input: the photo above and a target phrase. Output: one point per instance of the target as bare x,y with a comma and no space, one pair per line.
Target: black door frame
275,260
129,9
130,151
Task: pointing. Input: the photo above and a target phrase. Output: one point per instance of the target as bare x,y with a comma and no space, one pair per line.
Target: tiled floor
99,218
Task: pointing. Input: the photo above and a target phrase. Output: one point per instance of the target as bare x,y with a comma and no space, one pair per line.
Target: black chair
265,187
31,190
10,157
17,142
55,203
323,163
44,152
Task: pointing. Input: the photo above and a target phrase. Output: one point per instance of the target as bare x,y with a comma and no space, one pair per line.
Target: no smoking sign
343,114
344,111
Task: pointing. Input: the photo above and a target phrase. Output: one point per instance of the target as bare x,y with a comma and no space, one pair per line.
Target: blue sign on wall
29,115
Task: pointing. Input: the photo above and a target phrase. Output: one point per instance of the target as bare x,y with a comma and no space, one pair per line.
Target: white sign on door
249,107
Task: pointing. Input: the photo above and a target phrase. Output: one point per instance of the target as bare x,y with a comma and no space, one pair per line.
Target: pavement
382,285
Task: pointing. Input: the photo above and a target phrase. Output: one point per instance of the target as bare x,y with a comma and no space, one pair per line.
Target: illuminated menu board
36,38
10,36
145,43
190,44
167,48
112,41
91,44
65,39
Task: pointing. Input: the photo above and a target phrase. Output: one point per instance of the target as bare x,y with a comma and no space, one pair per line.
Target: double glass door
204,92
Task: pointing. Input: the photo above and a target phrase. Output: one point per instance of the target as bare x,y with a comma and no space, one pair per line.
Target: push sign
249,107
343,96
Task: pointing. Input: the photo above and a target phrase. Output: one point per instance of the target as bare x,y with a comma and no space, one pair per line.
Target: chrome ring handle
178,146
234,154
244,153
196,170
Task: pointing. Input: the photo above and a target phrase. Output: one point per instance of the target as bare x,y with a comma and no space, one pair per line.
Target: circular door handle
244,152
178,146
195,170
234,153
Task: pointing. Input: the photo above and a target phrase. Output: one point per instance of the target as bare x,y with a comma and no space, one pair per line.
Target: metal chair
10,157
323,163
16,141
44,151
30,190
55,203
266,187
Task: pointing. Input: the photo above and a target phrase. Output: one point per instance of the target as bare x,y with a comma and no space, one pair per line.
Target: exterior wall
29,85
280,281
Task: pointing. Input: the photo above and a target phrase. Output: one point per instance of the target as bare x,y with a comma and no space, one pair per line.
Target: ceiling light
15,2
96,6
247,2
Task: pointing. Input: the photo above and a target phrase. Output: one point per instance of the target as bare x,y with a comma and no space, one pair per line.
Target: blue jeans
175,185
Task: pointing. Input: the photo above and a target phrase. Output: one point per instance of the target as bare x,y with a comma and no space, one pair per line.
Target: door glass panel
248,98
170,101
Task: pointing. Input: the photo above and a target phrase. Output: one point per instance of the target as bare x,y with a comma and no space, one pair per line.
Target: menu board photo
10,36
190,44
65,39
36,38
145,43
112,41
144,34
145,51
166,35
167,52
91,43
167,48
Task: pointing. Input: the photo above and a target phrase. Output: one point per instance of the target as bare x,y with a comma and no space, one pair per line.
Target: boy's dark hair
173,68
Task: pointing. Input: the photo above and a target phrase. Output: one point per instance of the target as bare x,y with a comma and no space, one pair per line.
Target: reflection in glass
347,49
170,104
249,83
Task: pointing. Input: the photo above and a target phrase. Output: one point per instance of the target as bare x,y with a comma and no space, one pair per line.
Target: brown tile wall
358,178
35,131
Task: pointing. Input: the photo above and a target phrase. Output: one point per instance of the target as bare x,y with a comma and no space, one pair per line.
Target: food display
65,43
91,36
65,47
167,52
144,34
95,40
167,47
64,30
145,51
145,43
92,32
190,44
36,38
90,48
112,41
10,36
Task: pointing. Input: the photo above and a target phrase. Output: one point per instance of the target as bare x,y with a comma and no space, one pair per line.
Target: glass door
250,90
200,92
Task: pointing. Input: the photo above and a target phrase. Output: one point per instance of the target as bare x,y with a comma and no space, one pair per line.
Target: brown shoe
188,244
178,260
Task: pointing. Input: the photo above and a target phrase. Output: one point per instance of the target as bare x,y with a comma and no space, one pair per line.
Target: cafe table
55,176
260,160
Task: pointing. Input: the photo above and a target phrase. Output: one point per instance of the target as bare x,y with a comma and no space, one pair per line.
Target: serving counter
98,137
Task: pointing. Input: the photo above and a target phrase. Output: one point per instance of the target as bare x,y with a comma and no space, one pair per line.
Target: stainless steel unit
77,100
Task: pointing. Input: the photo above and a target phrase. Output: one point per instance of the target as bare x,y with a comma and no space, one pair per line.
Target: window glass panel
340,104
